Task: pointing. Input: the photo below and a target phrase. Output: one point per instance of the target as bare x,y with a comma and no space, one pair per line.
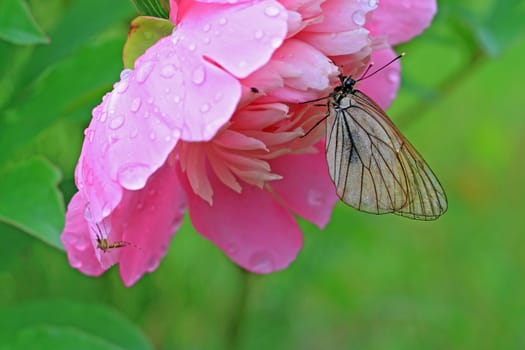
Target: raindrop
116,122
144,71
198,75
272,11
206,28
276,42
133,175
175,134
125,74
218,96
262,262
103,117
359,18
392,76
135,104
152,135
372,3
150,100
258,34
176,98
192,47
167,71
206,40
121,87
205,108
133,133
223,21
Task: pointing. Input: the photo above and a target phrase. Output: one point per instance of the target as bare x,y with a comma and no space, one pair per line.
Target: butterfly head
347,84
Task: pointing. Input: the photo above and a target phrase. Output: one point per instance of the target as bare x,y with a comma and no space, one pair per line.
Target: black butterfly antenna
365,74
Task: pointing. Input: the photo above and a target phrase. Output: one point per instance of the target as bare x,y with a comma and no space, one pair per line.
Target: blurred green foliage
366,282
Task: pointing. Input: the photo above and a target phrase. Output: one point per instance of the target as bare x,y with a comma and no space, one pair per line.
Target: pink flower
208,121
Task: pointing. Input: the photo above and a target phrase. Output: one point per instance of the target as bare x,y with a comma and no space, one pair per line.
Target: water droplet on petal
133,176
205,108
116,122
144,71
276,42
135,104
262,262
315,198
125,74
152,135
272,11
223,21
258,34
175,134
167,71
133,133
372,3
206,40
192,47
359,18
176,98
206,28
140,205
121,87
218,96
103,117
150,100
393,76
87,213
198,75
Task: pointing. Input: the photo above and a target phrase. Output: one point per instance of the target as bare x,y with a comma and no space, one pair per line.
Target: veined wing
374,167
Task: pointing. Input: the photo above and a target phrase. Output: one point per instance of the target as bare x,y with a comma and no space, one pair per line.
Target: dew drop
87,213
223,21
167,71
272,11
276,42
176,98
198,76
206,40
116,122
262,262
175,134
125,74
133,133
135,104
359,18
103,117
218,96
372,3
205,108
133,176
392,76
192,47
144,71
150,100
152,135
258,34
206,28
121,87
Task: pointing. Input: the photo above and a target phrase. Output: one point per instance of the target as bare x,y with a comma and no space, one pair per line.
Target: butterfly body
373,166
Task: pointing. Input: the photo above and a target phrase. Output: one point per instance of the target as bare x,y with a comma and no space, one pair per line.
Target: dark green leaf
30,200
155,8
67,325
17,24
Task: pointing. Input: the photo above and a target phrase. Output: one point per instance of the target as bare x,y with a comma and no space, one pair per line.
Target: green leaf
12,242
64,91
155,8
17,24
67,325
144,32
503,25
30,200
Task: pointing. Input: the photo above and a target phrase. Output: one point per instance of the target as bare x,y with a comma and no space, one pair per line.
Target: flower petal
241,38
401,20
306,186
251,227
382,87
76,238
148,219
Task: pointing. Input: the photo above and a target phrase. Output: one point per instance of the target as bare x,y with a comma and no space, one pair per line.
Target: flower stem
233,332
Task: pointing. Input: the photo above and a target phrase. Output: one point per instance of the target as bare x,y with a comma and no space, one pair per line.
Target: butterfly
373,166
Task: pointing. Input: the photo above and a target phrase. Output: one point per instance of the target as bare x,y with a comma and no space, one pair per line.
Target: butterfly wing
374,167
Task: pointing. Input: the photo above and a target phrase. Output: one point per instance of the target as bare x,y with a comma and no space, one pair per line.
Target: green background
365,282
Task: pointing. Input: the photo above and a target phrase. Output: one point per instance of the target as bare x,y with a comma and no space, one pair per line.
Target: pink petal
148,219
251,227
382,87
342,43
241,38
342,16
401,20
77,240
306,186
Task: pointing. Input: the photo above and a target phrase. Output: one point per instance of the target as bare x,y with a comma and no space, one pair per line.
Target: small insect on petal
373,166
106,245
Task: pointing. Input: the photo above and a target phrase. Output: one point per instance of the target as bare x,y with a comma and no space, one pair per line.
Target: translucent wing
373,166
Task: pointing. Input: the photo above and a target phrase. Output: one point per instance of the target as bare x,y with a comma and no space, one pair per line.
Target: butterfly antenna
365,76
